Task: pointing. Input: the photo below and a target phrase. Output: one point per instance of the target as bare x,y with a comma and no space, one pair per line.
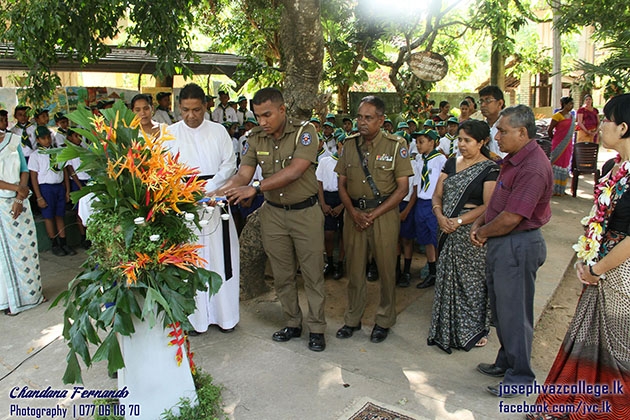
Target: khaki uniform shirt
387,159
273,155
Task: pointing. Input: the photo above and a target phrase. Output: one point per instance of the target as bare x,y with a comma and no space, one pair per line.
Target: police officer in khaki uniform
292,223
372,214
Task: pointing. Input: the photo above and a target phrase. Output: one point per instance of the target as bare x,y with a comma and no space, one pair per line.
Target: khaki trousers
382,237
291,237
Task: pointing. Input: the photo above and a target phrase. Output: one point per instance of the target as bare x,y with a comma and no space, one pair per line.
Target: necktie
425,169
26,140
452,145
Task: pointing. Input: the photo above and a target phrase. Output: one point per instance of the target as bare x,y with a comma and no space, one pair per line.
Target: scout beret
429,123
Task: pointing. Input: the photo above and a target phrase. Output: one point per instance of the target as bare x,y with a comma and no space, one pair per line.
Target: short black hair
268,94
443,104
464,102
478,130
617,110
521,116
376,101
565,100
4,113
472,100
143,97
192,91
494,91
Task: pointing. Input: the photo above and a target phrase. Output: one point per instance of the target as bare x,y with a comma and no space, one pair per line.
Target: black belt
309,202
205,177
366,203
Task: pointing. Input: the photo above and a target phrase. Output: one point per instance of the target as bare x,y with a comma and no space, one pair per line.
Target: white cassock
209,148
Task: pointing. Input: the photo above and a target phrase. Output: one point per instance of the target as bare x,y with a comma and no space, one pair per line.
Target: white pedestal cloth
221,309
151,374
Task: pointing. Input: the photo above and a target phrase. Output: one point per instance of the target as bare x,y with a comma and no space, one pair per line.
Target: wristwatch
256,185
460,221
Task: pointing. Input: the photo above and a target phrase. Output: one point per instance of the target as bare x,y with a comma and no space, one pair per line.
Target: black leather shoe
58,251
378,334
226,330
428,282
405,280
68,250
328,269
316,342
490,370
338,271
372,272
286,334
498,392
346,331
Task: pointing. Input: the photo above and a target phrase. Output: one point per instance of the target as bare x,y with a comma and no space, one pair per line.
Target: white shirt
207,147
59,139
257,175
31,133
75,163
330,144
161,116
40,163
326,174
206,116
445,144
230,114
435,168
411,177
323,153
413,150
242,117
493,145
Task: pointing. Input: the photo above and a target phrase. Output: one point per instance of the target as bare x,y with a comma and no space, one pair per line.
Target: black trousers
511,265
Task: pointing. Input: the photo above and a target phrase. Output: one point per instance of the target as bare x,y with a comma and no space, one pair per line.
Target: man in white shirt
491,102
224,112
242,113
206,145
163,113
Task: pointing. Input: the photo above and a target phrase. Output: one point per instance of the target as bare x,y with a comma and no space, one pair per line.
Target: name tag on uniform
384,158
262,153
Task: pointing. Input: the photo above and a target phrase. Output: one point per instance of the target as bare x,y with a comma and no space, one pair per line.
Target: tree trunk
497,67
302,50
342,97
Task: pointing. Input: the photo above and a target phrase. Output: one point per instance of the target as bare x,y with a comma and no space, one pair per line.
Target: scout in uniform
448,143
441,128
209,104
224,112
429,125
62,123
429,164
403,131
242,113
413,126
373,178
347,125
388,125
163,113
331,119
24,129
330,142
292,223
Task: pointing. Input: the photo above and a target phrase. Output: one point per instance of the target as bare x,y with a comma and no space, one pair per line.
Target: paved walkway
268,380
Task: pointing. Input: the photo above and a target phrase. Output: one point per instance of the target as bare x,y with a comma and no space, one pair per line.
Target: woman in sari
587,121
460,307
561,132
596,349
20,281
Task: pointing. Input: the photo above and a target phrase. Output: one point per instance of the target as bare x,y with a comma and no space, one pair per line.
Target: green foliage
104,296
209,398
43,31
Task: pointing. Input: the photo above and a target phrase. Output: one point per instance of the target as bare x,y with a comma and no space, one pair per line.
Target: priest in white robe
207,146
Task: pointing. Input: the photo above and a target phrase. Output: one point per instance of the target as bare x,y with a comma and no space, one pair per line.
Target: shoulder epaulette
352,136
394,137
253,131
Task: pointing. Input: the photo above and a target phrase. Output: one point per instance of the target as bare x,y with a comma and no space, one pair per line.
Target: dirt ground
554,323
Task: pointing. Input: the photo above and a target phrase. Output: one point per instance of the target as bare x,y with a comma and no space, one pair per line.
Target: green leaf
78,343
215,284
72,374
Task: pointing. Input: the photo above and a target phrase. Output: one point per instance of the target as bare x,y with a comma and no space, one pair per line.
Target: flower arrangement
605,197
143,253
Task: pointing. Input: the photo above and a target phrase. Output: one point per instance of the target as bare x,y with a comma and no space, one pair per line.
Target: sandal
8,312
482,342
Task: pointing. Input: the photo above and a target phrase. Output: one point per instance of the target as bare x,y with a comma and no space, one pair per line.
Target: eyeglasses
486,101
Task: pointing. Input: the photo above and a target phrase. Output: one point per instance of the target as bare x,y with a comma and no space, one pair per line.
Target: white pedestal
151,374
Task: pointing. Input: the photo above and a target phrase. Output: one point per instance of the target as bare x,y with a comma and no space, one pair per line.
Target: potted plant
138,284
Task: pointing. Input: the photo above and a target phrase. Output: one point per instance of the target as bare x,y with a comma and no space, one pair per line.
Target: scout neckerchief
244,111
425,168
26,141
52,162
62,131
170,114
452,144
224,108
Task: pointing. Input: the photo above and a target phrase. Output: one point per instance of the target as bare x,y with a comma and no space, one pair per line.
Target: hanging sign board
428,66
